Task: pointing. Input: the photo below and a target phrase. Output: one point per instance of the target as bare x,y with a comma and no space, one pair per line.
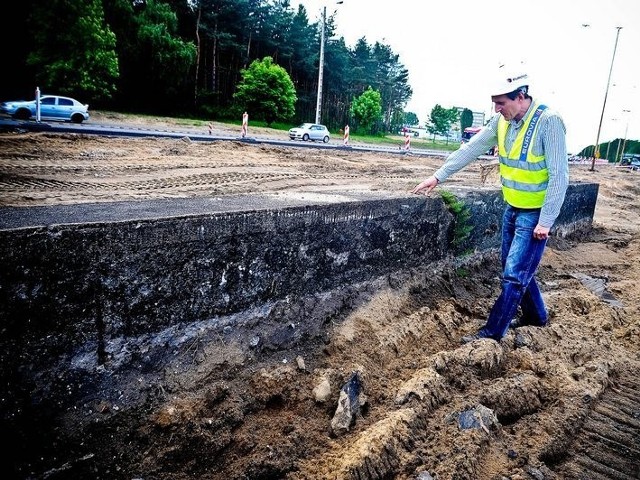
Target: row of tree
188,57
613,151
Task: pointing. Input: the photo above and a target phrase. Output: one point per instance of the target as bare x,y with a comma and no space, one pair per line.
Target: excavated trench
217,412
365,380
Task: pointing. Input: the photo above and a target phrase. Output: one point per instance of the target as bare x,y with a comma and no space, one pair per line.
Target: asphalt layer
126,211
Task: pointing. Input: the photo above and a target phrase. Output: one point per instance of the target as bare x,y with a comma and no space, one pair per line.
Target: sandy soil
560,402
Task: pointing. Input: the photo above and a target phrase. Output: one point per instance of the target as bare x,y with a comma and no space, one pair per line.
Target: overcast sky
451,48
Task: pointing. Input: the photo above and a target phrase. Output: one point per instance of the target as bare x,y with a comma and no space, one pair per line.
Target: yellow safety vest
524,176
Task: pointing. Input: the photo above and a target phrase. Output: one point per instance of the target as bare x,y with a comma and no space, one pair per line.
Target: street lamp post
596,150
606,155
321,65
624,142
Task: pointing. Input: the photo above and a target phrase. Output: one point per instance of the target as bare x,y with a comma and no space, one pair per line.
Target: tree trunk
246,59
214,53
198,46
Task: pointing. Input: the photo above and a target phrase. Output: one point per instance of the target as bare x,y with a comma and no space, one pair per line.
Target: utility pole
624,143
596,148
323,28
618,157
321,66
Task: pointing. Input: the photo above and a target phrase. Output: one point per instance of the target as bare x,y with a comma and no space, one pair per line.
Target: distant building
478,117
478,121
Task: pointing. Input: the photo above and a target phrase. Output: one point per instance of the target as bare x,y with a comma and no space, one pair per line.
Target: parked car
470,132
631,161
52,107
634,165
310,131
404,130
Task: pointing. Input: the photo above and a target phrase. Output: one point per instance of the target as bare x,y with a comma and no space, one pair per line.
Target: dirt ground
561,402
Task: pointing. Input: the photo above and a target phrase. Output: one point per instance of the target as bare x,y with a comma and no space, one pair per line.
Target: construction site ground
563,401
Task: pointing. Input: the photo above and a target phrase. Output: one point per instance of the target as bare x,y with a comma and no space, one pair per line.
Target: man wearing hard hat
534,173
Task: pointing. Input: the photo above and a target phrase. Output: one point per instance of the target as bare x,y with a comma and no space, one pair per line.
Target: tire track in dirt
42,170
607,447
596,437
114,167
19,184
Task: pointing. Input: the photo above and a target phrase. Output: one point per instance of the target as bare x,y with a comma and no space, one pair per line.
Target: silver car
52,107
310,131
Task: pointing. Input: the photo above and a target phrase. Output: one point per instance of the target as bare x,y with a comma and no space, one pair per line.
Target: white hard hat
508,79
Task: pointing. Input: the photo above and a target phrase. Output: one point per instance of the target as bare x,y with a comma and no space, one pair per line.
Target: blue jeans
521,255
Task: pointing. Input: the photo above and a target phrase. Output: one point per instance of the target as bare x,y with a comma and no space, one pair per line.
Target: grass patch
461,213
462,272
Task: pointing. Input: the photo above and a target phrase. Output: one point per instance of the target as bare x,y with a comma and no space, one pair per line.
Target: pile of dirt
560,402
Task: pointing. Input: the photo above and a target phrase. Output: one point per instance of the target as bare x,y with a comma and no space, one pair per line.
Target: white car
52,107
310,131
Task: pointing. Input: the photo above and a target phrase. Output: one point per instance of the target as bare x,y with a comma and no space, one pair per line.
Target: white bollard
245,124
38,104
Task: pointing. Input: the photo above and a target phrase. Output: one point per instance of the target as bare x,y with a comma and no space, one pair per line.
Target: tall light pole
596,149
624,143
321,65
606,155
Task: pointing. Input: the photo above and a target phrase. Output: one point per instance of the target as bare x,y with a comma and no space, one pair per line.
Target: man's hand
540,232
424,188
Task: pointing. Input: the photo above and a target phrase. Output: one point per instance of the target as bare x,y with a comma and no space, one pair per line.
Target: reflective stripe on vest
524,176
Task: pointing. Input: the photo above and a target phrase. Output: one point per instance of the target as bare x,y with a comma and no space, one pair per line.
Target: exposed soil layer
560,402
